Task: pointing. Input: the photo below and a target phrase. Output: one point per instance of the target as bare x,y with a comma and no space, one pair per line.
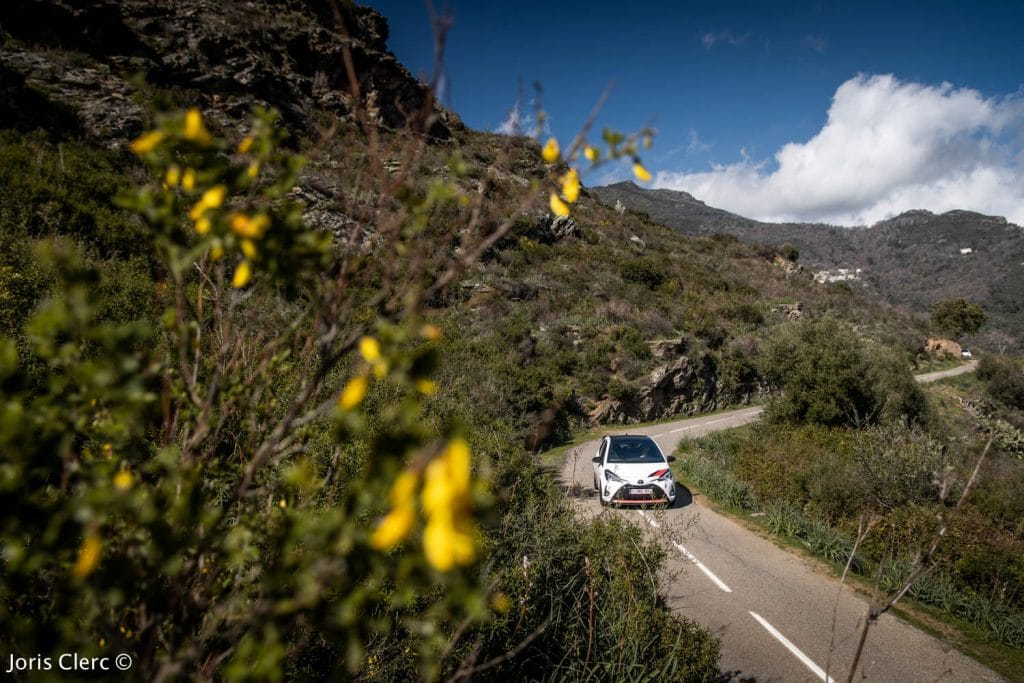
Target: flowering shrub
178,494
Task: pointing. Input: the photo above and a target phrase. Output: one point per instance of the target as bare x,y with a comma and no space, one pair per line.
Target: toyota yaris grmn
632,470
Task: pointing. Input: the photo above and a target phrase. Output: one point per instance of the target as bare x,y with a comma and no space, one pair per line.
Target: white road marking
658,435
807,661
700,565
681,429
652,522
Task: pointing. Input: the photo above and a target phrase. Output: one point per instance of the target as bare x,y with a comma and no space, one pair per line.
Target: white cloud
887,146
519,123
513,123
708,40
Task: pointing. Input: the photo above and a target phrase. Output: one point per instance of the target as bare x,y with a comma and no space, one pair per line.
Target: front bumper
654,493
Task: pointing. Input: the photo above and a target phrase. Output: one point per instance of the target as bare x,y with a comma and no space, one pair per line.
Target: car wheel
597,487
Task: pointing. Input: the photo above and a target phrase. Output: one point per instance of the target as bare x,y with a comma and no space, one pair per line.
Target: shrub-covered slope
912,260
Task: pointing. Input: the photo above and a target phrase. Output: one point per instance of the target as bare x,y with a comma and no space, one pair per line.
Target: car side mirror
671,458
596,459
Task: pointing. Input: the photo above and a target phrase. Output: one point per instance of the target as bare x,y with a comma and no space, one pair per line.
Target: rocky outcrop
80,59
938,346
551,229
792,311
682,386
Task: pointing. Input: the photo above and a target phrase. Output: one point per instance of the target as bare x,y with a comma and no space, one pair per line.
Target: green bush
644,271
829,376
1004,379
957,317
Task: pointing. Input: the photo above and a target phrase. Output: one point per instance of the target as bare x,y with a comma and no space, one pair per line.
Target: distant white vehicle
966,354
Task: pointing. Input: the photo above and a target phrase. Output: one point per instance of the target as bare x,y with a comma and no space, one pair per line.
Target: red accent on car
659,473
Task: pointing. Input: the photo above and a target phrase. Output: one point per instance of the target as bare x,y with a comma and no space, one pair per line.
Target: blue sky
844,112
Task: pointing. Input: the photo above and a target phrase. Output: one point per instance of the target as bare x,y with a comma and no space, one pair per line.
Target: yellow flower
217,252
426,387
188,180
248,248
173,175
447,479
108,450
88,557
591,153
404,488
458,457
146,142
353,393
550,152
369,348
571,186
394,528
123,480
431,332
445,545
282,504
253,170
439,493
203,225
211,199
246,144
558,207
641,173
243,273
244,226
195,130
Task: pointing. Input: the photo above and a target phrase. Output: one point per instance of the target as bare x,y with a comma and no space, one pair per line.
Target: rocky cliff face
71,65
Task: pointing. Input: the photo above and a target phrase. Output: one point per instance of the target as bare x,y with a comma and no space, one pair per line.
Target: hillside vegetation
912,260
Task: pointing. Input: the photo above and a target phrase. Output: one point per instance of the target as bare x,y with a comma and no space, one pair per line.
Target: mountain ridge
912,259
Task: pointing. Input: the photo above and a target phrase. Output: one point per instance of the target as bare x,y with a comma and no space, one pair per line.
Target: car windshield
640,449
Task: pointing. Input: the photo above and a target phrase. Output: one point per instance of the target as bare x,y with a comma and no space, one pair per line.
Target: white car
966,354
632,470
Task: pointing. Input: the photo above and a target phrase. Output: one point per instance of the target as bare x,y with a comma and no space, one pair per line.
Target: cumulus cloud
887,146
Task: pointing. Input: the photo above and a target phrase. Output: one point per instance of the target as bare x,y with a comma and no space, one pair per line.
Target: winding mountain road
780,617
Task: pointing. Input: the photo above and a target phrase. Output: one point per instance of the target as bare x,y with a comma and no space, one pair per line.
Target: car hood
634,472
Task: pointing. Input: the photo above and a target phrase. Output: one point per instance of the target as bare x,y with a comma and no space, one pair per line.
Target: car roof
629,437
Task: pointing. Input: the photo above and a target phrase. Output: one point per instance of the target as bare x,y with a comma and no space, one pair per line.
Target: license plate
647,491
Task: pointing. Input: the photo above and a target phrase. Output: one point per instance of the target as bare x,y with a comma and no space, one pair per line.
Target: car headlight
611,476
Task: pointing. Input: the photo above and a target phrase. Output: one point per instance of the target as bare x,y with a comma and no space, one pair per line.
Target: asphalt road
780,617
969,366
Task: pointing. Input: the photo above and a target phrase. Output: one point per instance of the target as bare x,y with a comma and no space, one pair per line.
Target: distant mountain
913,259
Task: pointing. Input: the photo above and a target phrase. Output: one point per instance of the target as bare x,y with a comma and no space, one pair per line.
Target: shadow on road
683,497
581,492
